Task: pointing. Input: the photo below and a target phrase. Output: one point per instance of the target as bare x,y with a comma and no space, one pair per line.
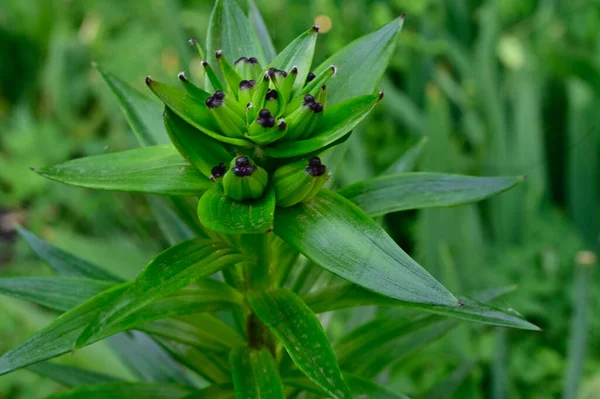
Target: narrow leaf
58,293
336,123
447,388
403,191
408,161
362,63
230,30
255,374
337,235
298,53
172,225
363,388
156,170
257,22
192,111
124,390
142,114
62,262
303,337
70,376
224,215
349,295
202,151
171,270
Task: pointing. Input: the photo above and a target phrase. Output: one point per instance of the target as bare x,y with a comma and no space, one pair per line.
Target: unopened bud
299,181
231,76
218,172
247,68
266,129
244,180
228,113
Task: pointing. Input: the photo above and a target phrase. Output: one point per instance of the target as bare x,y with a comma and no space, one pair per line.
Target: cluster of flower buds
265,106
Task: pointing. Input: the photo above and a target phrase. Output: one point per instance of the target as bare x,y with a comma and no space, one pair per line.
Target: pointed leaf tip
181,76
148,81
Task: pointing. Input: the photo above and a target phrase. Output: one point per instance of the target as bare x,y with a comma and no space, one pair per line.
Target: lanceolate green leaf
349,295
261,31
58,293
70,376
403,191
362,63
338,236
255,374
192,111
125,390
336,123
157,170
171,270
298,53
360,387
63,262
303,337
201,150
230,30
224,215
142,114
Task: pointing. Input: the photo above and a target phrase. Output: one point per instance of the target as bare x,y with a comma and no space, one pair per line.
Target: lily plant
250,219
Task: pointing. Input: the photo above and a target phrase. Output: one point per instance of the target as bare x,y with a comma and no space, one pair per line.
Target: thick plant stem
257,273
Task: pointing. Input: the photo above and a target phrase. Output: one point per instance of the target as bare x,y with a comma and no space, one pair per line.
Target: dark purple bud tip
460,304
265,119
193,42
380,96
247,84
282,125
253,60
241,59
316,107
315,167
334,69
148,80
182,77
218,171
244,171
316,28
294,70
311,76
242,160
308,99
264,113
219,94
219,54
216,100
272,95
204,63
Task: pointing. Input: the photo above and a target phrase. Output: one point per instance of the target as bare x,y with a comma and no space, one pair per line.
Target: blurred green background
479,87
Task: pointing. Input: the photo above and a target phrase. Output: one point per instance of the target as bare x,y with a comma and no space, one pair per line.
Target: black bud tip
311,76
219,94
334,69
316,107
204,63
294,70
270,230
264,113
252,60
219,54
309,99
460,304
242,160
282,125
247,84
182,77
315,167
272,95
316,28
265,119
148,80
218,171
193,42
241,59
324,87
380,96
243,171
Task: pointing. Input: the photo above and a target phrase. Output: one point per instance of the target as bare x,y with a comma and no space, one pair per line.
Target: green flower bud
284,83
299,181
212,77
244,180
232,78
259,96
248,68
265,129
192,89
246,90
302,121
228,113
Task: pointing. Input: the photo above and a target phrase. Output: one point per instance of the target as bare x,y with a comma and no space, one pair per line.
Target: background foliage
477,87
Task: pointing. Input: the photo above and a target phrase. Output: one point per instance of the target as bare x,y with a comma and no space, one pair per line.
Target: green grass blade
124,390
258,24
255,374
299,53
70,376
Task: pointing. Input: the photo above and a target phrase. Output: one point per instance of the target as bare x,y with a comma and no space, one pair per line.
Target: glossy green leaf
349,295
142,114
303,337
192,111
408,161
360,387
337,121
202,331
157,170
70,376
255,374
338,236
403,191
124,390
362,63
210,367
63,262
202,151
229,30
257,22
58,293
171,270
224,215
298,53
